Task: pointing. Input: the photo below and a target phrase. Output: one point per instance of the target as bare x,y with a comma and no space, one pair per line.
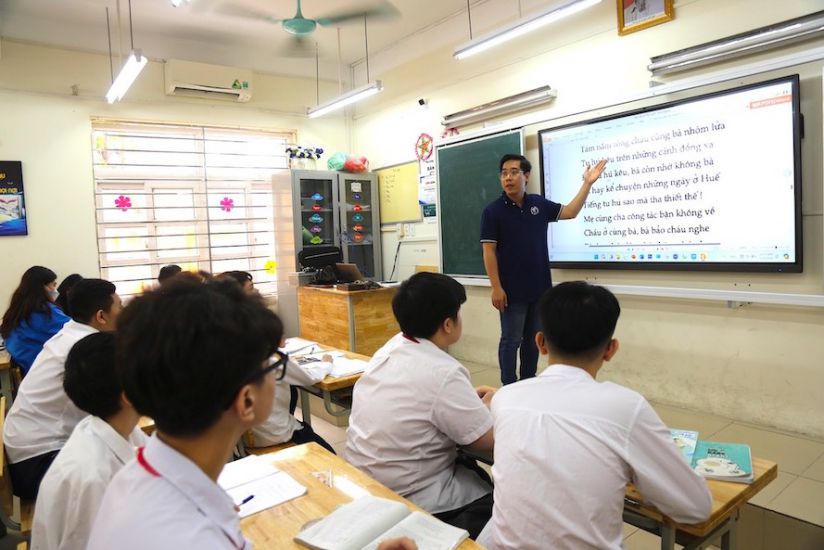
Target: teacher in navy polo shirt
516,258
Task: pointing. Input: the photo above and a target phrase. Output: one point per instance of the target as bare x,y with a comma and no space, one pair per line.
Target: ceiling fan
301,26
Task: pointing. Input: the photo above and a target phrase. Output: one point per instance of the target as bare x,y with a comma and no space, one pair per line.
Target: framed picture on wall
12,205
636,15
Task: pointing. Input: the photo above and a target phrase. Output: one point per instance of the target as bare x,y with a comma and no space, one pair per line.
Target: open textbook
255,484
363,523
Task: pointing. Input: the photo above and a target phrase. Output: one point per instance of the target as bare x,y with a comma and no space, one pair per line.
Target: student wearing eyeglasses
197,359
516,258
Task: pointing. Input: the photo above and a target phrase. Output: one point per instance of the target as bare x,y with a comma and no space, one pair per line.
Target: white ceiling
204,31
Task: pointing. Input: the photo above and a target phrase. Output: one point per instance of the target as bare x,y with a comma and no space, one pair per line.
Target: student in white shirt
100,445
197,358
415,404
282,426
567,445
42,417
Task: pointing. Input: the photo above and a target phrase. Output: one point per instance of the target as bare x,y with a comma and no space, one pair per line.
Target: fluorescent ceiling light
349,97
522,26
127,74
763,38
501,106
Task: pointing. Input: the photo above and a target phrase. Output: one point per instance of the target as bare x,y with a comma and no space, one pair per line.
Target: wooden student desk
360,321
277,526
727,500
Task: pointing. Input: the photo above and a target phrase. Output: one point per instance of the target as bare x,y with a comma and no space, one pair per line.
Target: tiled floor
788,514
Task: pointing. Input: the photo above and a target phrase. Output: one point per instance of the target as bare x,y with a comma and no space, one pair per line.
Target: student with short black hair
243,278
63,290
42,416
198,359
567,445
100,445
415,404
167,272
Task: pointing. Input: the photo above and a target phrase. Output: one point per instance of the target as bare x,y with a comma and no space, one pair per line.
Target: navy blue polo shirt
520,234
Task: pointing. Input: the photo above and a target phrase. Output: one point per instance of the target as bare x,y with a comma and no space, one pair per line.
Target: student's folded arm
298,376
485,443
460,414
661,474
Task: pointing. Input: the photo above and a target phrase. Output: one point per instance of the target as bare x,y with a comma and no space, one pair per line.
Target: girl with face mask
32,316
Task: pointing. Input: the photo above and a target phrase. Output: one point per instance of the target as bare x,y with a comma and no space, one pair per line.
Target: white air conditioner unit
186,78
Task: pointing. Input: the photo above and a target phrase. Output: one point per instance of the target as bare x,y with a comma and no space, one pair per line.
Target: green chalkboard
468,181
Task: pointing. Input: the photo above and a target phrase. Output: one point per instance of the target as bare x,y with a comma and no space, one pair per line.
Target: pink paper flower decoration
227,204
123,203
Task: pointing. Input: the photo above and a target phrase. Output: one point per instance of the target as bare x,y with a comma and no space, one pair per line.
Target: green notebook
723,461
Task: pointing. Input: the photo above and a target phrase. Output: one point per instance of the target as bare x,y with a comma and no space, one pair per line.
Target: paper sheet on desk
254,475
342,366
294,345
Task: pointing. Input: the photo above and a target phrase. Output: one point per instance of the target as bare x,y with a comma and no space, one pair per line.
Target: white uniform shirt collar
400,340
192,482
122,448
566,371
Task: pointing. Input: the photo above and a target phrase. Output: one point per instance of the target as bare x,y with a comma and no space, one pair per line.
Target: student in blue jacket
32,317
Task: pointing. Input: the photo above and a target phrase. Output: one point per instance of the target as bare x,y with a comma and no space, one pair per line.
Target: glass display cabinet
340,209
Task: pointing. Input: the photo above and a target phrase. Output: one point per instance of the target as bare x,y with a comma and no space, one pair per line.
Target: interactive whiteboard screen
709,183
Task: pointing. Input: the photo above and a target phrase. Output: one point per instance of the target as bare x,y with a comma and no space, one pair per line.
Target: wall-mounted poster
12,205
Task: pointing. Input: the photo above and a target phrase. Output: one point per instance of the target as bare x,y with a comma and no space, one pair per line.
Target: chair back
15,514
317,257
7,508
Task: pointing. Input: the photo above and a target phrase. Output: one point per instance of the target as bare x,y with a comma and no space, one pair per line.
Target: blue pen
247,499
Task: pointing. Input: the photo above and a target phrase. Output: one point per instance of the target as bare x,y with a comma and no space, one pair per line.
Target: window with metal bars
196,196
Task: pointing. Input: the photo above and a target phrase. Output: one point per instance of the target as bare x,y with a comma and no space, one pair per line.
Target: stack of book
713,459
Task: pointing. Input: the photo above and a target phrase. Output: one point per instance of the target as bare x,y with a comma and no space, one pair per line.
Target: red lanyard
141,459
412,338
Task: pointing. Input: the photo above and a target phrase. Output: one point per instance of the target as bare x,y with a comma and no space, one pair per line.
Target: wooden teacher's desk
360,321
727,500
277,526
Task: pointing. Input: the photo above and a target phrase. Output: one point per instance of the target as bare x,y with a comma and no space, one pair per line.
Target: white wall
47,128
756,363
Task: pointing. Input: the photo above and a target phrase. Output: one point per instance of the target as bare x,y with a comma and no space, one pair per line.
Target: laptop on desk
348,273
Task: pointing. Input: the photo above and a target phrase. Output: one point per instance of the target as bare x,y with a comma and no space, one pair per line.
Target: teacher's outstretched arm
591,175
491,266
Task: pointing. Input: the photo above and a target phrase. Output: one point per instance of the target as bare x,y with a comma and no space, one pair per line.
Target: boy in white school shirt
100,445
197,358
42,417
566,445
415,404
282,426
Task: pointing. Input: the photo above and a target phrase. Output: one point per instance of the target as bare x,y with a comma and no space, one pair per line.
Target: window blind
196,196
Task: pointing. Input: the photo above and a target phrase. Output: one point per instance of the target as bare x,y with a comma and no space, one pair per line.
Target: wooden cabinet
360,321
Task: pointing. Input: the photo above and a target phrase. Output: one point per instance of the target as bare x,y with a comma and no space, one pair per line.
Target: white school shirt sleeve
297,375
67,527
458,412
661,474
